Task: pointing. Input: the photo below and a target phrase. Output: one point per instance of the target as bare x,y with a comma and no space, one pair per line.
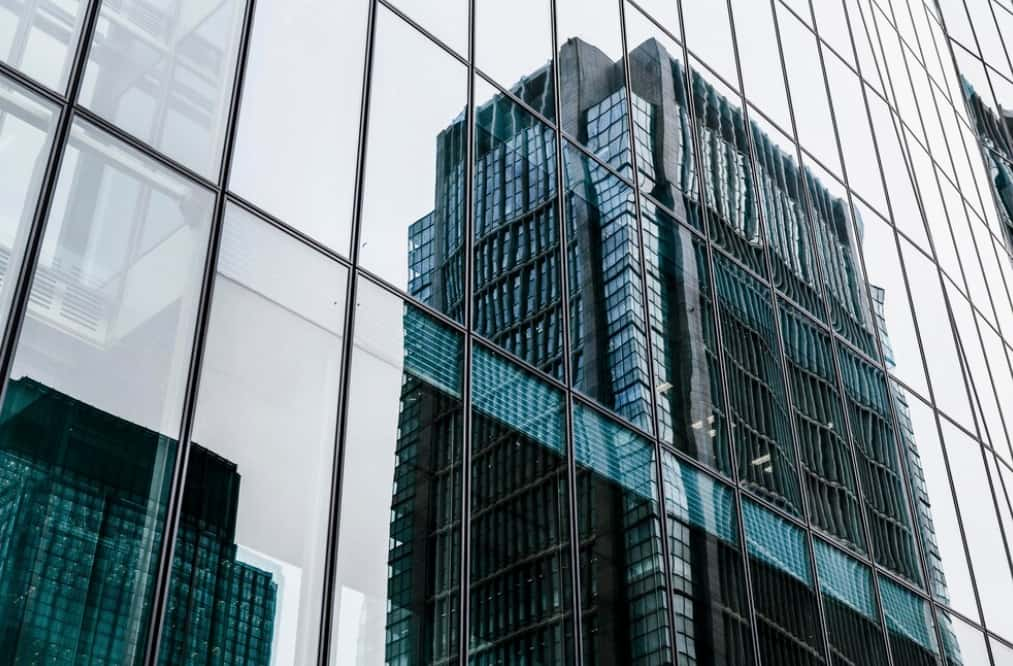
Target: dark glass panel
787,612
248,565
608,335
708,583
517,289
691,411
89,425
397,588
521,601
849,602
758,402
623,595
821,427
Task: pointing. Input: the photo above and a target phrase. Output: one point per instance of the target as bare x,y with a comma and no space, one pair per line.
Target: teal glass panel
909,625
787,612
520,586
849,603
624,610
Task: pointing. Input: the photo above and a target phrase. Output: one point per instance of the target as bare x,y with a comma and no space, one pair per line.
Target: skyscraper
542,332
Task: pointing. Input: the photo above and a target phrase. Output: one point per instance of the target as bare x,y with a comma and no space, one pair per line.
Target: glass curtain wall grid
536,332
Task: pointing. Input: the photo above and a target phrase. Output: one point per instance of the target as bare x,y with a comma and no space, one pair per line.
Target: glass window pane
164,73
849,603
608,341
592,79
446,20
513,45
623,594
691,408
909,624
758,55
757,394
94,404
413,210
249,559
709,36
1002,654
708,583
786,608
397,585
517,257
981,528
521,601
822,430
303,56
27,125
963,643
941,539
38,38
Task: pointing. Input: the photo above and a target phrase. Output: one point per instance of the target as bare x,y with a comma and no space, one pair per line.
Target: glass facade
530,333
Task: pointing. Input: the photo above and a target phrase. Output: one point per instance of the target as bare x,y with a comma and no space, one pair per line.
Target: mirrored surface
302,55
164,74
513,46
38,38
93,405
248,564
413,208
397,588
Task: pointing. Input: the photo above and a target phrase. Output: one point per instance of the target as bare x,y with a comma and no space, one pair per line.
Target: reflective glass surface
250,549
38,38
93,405
406,428
163,72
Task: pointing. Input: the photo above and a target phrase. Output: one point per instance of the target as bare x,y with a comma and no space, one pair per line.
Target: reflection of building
994,131
82,536
518,304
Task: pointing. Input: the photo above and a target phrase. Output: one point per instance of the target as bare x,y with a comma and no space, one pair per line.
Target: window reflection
521,602
38,38
401,495
249,558
26,133
164,73
623,594
910,627
852,612
88,427
517,254
787,612
708,583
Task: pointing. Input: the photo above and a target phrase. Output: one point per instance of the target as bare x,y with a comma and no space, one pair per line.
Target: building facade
577,332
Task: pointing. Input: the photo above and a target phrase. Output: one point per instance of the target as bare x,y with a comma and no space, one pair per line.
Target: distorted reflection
38,38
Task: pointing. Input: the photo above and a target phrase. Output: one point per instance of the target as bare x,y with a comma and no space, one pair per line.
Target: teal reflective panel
516,398
89,424
520,577
691,412
708,585
849,604
787,611
608,339
397,578
757,396
518,288
622,582
909,623
822,430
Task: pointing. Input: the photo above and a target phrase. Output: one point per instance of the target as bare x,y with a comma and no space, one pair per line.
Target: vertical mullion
562,216
177,489
347,351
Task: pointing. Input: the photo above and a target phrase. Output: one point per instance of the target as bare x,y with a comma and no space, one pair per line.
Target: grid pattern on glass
919,145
